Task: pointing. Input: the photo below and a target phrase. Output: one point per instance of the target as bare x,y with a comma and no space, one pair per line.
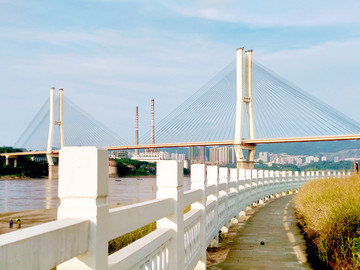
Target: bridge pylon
244,97
52,123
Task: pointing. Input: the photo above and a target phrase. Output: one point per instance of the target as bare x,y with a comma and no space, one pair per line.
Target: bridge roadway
245,143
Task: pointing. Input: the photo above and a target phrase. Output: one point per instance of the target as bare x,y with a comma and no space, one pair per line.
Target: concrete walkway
274,223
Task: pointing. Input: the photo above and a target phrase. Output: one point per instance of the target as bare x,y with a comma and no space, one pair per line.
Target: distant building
152,156
176,156
264,157
309,159
39,159
202,154
323,158
222,155
192,153
119,154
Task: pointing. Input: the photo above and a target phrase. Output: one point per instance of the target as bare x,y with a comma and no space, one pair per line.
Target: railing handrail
86,224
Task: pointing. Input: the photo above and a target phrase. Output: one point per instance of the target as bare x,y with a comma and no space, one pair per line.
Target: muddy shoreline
28,218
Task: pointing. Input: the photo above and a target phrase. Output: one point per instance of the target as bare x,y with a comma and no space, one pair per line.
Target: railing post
297,180
277,183
198,181
224,180
248,189
283,183
213,179
290,182
169,181
261,187
254,188
271,184
242,192
234,178
266,185
83,189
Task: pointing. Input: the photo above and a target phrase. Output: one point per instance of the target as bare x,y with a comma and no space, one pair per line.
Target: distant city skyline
111,56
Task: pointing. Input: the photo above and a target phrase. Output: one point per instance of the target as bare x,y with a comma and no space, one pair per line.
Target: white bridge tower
52,123
241,99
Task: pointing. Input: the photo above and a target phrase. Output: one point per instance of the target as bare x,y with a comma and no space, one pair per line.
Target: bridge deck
275,224
214,143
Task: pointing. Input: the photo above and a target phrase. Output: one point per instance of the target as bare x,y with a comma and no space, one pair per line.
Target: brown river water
18,195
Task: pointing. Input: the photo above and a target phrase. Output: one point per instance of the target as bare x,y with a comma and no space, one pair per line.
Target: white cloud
273,13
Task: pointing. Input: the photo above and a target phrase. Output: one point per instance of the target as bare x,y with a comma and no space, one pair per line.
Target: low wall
79,238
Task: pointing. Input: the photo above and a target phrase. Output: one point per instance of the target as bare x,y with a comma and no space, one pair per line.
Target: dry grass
329,211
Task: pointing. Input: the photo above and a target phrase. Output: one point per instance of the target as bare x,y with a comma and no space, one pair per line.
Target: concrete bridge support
53,172
7,160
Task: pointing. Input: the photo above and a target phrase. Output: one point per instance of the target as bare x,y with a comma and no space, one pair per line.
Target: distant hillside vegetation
315,166
308,148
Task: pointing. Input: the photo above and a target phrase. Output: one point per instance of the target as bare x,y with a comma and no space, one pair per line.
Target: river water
18,195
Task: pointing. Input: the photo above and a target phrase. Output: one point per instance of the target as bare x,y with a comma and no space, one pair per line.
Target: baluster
213,179
234,179
242,192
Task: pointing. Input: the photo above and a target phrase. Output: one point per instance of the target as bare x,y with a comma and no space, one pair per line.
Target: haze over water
18,195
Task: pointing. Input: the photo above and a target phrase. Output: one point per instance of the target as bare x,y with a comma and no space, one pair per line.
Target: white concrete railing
79,238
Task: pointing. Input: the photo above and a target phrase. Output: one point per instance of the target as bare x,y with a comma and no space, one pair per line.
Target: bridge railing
79,238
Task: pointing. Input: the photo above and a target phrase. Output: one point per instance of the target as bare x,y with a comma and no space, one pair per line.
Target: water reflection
17,195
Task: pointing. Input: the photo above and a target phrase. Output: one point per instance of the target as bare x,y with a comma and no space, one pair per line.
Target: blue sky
110,56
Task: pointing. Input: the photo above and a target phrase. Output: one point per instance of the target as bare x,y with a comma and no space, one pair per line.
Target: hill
308,148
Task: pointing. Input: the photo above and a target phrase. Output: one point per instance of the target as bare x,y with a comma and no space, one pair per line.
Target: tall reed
329,212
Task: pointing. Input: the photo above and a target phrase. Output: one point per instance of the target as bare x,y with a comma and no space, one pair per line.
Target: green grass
329,212
126,239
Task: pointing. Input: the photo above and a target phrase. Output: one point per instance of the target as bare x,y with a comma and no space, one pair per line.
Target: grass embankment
329,212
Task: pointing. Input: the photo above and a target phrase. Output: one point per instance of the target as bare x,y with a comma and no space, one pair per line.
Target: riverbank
14,177
28,218
329,213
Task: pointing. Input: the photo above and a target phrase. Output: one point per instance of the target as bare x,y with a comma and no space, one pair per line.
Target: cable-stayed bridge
245,104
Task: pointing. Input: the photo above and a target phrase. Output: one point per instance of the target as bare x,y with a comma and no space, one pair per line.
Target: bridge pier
7,160
53,172
247,165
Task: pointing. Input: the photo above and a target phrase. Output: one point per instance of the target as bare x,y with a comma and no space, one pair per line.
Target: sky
110,56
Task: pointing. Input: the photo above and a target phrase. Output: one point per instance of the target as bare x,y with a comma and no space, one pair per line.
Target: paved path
275,224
